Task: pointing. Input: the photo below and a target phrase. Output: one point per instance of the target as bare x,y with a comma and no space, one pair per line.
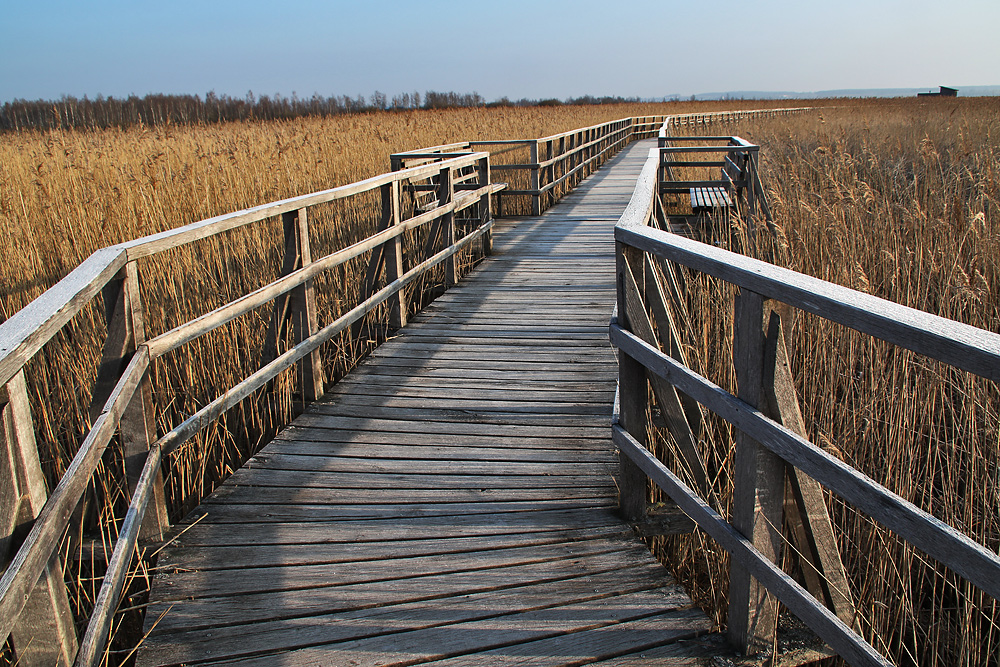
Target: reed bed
899,199
64,194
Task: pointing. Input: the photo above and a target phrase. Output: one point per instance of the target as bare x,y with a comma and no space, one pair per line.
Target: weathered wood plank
438,643
300,632
475,442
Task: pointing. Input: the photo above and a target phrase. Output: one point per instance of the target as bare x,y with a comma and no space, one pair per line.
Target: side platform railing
447,192
770,443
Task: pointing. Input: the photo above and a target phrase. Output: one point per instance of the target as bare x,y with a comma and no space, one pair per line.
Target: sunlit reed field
64,194
896,198
900,199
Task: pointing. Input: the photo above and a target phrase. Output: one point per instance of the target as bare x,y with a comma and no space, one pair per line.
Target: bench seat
706,199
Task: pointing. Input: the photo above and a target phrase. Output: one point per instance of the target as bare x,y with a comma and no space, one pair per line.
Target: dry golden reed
899,199
64,194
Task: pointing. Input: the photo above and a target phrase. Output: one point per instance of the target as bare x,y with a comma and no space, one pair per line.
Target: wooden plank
966,347
174,238
470,637
202,613
632,399
43,633
455,480
344,464
27,330
35,553
186,584
463,451
375,498
666,395
300,632
595,643
259,508
810,521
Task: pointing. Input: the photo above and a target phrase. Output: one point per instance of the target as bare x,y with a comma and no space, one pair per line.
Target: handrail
960,345
25,332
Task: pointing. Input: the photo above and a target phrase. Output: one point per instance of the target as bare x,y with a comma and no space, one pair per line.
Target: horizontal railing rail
769,444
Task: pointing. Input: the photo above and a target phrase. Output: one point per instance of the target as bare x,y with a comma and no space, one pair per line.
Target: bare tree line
158,109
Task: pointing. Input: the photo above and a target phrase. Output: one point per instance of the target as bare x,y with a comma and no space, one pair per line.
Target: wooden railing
442,181
33,600
544,169
770,434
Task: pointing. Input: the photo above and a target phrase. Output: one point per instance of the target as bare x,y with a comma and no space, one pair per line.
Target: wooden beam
666,395
806,515
966,347
972,560
758,493
43,632
633,397
823,622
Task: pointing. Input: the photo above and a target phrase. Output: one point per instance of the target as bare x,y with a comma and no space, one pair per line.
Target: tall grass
64,194
899,199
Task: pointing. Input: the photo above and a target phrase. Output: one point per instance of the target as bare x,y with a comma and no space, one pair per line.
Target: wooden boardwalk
450,501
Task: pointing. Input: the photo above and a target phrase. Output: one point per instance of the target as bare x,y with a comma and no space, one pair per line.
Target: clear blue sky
514,48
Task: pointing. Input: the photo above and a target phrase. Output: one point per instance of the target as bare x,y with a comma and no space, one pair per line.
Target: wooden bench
707,199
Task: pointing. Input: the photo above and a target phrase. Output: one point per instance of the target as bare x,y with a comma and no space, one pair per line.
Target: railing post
123,313
446,194
394,255
536,198
550,172
297,308
633,394
485,205
44,632
759,488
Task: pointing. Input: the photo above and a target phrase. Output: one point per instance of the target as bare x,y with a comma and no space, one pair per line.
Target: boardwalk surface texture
450,501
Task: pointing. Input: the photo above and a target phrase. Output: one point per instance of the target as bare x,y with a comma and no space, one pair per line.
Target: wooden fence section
554,165
32,594
770,428
450,501
447,183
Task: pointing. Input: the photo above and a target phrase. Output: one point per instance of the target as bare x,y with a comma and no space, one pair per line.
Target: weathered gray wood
535,179
966,347
812,529
406,616
824,622
174,238
758,489
227,313
302,306
656,293
666,396
92,647
192,425
633,397
928,533
475,478
27,330
137,429
635,613
43,633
